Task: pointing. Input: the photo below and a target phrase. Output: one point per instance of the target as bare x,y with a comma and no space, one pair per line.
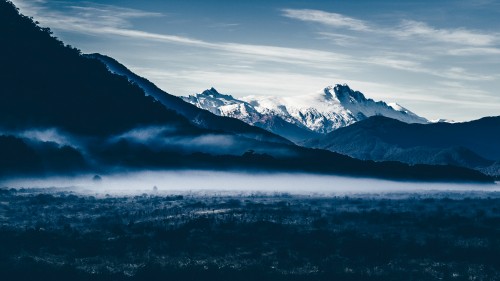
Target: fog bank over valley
239,183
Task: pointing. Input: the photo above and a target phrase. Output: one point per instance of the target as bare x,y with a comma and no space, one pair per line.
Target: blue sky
440,59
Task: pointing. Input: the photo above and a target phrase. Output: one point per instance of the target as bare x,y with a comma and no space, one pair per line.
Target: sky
440,59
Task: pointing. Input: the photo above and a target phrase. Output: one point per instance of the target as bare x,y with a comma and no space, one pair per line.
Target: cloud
47,135
460,36
330,19
104,15
169,138
109,15
137,34
425,43
337,38
474,51
486,4
397,63
285,54
453,73
407,29
458,73
144,134
241,82
209,141
111,20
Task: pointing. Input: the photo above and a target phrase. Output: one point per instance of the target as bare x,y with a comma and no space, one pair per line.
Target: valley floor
49,234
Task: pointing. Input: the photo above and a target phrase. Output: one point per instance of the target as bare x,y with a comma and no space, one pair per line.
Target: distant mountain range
63,112
302,117
474,144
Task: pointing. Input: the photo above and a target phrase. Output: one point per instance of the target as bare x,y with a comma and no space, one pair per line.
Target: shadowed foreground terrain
61,235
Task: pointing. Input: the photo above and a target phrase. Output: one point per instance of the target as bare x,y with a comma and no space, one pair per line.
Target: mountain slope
45,83
318,113
198,116
472,144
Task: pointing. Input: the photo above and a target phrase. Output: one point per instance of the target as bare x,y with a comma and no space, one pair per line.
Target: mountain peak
346,95
213,93
341,87
337,106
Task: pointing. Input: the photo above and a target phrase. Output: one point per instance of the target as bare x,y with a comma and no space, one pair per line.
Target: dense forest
62,235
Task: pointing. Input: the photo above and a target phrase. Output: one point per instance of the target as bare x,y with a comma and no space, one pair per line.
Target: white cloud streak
460,36
331,19
111,15
474,51
111,20
407,29
337,38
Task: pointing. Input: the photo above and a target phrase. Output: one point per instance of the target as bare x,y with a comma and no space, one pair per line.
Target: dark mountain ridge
473,144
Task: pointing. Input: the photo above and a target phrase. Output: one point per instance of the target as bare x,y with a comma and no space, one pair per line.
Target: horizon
439,60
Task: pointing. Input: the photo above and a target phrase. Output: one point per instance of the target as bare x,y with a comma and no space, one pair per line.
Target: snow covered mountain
319,113
227,105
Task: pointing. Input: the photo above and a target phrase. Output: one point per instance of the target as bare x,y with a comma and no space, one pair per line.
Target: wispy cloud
427,44
406,29
109,15
474,51
397,63
116,23
461,36
298,56
488,4
337,38
225,25
453,73
237,81
106,15
330,19
458,73
112,20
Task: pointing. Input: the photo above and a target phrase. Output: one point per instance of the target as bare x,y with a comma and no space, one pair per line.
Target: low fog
214,183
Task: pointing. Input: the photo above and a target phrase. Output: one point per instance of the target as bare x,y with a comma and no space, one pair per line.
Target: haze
214,183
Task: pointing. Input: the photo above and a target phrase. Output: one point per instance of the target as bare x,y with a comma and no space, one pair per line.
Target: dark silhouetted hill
474,144
48,84
20,158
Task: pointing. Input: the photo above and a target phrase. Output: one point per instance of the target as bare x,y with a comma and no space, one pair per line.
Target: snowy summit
318,113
